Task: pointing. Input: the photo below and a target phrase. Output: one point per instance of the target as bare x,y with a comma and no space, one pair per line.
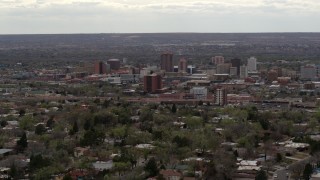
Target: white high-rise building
252,64
223,68
243,72
221,97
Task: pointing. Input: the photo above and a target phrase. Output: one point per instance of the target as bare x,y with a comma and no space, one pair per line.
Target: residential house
80,151
171,174
103,165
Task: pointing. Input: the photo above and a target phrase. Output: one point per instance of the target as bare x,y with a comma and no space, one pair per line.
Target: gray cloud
71,16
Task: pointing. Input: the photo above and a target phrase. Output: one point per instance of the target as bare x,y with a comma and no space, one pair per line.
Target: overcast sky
126,16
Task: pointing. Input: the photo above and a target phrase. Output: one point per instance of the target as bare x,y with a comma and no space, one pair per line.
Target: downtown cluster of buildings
176,79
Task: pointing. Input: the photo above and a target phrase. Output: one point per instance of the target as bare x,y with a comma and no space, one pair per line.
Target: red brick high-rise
152,82
217,60
166,62
100,67
182,65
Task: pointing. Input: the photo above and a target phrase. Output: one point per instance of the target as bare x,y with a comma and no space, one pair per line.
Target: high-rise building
221,97
100,67
166,62
223,68
152,83
191,69
108,68
175,68
252,64
233,71
243,72
236,63
114,64
182,65
217,60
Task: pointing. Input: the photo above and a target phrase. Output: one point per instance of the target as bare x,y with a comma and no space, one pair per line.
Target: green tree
74,129
87,125
279,157
22,143
261,175
253,113
312,124
240,115
37,162
264,123
146,115
181,141
13,171
174,108
121,166
194,122
152,167
3,123
45,173
50,123
119,132
123,114
317,115
97,101
106,103
27,123
67,177
307,171
161,177
22,112
92,137
40,129
105,118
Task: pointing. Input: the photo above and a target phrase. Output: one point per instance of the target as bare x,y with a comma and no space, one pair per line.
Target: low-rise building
169,174
103,165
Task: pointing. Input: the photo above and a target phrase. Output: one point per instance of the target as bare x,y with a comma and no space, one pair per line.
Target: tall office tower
236,63
233,71
152,82
221,97
114,64
243,72
108,68
308,72
182,65
166,62
100,67
191,69
223,68
252,64
217,60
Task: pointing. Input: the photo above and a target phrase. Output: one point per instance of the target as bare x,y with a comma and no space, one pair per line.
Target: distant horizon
162,33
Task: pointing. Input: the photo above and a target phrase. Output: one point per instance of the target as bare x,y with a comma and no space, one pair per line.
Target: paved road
285,173
282,174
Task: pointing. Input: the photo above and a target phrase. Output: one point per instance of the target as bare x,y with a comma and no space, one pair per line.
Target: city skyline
121,16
